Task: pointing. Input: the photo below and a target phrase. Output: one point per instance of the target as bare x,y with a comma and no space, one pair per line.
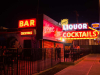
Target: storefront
48,34
44,32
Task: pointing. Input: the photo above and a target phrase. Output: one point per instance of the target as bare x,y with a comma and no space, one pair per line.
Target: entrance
27,48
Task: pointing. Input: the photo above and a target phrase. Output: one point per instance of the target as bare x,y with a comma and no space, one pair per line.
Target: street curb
45,70
79,60
75,62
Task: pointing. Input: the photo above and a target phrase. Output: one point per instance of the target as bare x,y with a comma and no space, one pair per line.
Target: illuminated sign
51,31
27,23
27,33
91,34
95,25
64,21
75,26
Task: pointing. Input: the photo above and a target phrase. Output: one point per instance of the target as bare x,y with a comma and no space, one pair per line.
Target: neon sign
75,26
27,23
64,21
27,33
51,31
95,25
91,34
48,29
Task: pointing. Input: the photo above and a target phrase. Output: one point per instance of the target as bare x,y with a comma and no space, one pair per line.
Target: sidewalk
88,66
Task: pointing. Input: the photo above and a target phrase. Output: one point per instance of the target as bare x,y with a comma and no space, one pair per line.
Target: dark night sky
12,11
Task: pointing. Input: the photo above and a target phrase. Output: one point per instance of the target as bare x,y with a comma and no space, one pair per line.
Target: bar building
41,32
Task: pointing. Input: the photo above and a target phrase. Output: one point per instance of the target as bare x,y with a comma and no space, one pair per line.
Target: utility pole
37,7
76,16
77,21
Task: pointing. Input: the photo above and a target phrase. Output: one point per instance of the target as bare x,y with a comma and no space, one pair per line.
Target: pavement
90,65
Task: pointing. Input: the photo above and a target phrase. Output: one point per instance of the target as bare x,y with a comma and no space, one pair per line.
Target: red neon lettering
76,34
64,34
20,23
94,33
84,34
68,34
80,34
73,34
27,23
31,22
48,29
87,34
90,34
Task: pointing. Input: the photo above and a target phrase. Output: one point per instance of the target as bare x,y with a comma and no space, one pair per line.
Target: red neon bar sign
27,23
80,34
27,33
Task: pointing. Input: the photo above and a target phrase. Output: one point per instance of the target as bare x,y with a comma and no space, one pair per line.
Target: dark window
27,43
27,48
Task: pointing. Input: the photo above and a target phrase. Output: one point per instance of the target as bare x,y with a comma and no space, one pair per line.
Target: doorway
27,48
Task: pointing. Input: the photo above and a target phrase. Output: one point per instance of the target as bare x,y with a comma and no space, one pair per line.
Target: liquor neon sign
75,26
27,23
91,34
52,31
27,33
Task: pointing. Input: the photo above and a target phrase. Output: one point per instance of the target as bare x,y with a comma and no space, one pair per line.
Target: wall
19,38
62,48
50,46
84,42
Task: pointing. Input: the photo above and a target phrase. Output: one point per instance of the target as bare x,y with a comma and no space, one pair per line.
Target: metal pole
76,16
37,7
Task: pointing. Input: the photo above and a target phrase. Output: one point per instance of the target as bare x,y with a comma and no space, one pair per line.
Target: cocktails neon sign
27,23
80,34
75,26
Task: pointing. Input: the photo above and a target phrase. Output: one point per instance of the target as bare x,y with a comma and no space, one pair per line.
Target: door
27,48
